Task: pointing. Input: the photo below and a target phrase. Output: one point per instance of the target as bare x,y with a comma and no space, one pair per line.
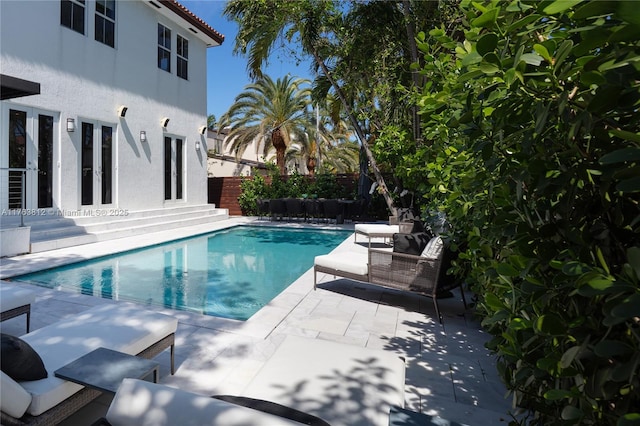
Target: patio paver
449,372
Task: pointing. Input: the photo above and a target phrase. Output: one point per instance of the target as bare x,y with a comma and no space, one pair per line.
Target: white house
223,162
104,105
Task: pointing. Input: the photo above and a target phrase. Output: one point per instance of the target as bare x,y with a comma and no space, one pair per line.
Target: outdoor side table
104,369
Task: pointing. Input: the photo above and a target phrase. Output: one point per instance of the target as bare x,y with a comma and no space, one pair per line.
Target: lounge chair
138,402
15,301
121,327
407,272
326,381
375,230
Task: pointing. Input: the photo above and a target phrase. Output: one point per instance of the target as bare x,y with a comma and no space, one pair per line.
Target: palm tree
315,25
211,121
325,142
268,113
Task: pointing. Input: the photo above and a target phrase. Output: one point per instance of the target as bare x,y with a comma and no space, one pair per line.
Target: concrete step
49,232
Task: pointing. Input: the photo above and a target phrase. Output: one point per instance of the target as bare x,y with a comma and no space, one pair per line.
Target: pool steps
50,231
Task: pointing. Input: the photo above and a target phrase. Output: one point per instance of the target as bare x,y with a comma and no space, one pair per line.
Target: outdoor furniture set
32,393
50,373
328,209
417,262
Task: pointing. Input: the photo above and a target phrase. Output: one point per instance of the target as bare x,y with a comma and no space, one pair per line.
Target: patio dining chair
331,209
277,208
295,208
262,206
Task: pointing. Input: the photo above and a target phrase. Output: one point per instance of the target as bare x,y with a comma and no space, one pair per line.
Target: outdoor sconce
143,136
164,122
197,145
122,111
202,130
71,125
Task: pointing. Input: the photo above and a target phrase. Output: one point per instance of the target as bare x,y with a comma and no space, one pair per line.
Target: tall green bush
323,185
531,126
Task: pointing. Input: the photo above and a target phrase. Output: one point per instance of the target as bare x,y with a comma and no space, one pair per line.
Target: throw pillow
410,243
273,408
433,249
418,226
19,361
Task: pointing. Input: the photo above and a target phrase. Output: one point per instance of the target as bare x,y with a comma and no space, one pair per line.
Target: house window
106,21
164,48
183,57
72,14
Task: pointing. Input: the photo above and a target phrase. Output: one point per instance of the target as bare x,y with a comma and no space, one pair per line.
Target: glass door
173,168
28,175
96,164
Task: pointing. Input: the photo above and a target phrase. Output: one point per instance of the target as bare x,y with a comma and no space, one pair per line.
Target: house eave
14,87
202,30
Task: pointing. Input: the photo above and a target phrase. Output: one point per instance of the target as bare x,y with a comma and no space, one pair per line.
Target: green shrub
532,134
324,185
252,189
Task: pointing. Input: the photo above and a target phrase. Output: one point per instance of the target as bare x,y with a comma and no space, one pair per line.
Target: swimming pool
230,273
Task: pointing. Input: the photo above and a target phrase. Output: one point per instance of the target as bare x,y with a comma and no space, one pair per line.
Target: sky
227,73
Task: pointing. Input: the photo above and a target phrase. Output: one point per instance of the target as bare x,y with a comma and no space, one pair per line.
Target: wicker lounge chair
415,273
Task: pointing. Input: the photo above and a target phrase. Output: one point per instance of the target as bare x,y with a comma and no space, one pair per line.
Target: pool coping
259,325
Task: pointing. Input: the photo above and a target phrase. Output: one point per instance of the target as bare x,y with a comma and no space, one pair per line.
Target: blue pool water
230,273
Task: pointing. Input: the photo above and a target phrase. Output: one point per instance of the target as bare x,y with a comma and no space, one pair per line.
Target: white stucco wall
86,80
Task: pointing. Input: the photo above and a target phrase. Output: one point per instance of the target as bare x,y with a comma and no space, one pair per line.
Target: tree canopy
519,121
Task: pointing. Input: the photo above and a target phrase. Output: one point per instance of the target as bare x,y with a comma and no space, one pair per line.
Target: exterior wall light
143,136
197,145
71,125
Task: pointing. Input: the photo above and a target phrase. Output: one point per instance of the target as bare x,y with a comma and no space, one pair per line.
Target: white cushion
13,296
14,400
433,249
342,384
351,262
122,327
376,229
141,403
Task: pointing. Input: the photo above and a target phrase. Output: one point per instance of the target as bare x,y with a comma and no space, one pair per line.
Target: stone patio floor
449,372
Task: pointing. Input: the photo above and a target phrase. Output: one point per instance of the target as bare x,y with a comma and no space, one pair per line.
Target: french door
173,169
96,164
28,173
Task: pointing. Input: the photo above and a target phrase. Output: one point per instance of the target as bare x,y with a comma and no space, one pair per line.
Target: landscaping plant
531,147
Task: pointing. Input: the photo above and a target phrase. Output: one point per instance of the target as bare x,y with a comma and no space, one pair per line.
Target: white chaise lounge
14,301
141,403
338,383
123,327
375,230
352,265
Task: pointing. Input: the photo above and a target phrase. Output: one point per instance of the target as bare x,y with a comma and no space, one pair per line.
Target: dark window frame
164,48
182,57
105,22
72,15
